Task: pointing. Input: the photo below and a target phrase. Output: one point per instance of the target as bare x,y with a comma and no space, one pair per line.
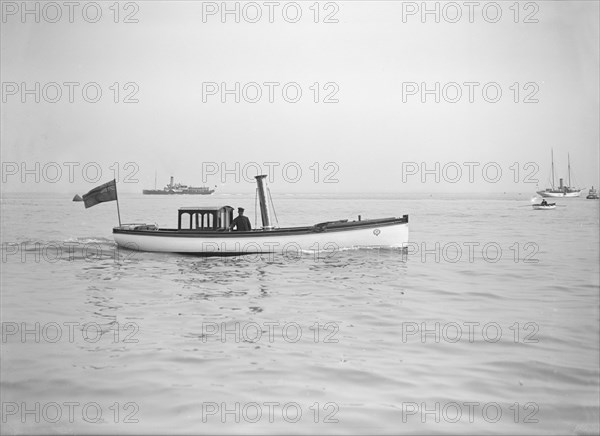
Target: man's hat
240,209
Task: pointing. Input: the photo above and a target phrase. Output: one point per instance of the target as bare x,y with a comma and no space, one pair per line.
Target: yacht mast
552,155
569,161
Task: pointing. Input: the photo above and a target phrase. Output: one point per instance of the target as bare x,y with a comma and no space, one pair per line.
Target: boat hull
559,194
163,192
542,207
390,232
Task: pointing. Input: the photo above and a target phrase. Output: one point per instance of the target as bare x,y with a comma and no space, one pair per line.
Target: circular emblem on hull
376,232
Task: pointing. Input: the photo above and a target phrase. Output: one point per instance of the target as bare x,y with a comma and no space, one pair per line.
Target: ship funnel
560,181
262,198
171,184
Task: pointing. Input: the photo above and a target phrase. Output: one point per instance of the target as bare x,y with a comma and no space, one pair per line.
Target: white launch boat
206,231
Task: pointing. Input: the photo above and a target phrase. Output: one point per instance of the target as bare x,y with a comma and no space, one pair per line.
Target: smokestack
262,198
560,181
171,184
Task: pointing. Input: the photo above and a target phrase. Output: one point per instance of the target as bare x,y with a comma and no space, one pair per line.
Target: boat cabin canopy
205,218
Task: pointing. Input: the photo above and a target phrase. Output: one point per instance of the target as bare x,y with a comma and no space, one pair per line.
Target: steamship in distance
561,190
178,189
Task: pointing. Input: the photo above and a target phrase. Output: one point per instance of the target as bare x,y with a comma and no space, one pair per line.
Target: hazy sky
373,61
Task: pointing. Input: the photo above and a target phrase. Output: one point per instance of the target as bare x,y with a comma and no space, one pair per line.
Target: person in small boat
241,222
544,202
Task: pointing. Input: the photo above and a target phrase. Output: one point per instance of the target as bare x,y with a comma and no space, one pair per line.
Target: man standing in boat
241,222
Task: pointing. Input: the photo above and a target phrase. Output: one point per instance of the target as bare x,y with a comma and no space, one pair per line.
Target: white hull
277,241
559,194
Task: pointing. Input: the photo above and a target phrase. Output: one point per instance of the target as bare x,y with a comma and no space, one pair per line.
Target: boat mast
552,155
154,179
569,163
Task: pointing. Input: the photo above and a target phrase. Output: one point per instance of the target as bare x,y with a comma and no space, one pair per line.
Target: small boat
592,194
544,206
206,231
561,190
178,189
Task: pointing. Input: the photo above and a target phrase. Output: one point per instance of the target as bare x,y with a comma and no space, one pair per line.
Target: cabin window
205,219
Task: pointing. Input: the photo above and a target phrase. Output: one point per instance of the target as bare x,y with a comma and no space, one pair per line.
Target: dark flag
100,194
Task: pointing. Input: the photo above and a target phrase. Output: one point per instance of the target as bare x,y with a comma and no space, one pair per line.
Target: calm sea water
494,328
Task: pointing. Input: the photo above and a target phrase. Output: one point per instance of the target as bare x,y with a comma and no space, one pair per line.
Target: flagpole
118,210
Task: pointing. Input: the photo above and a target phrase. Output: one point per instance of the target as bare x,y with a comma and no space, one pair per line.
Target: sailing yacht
561,190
